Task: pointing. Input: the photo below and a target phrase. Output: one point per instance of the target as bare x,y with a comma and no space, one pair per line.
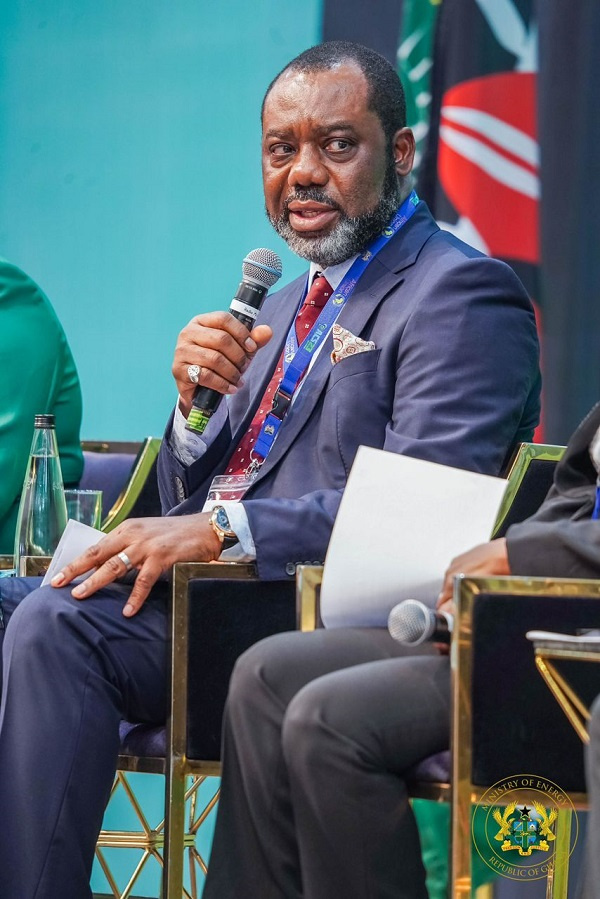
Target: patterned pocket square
346,344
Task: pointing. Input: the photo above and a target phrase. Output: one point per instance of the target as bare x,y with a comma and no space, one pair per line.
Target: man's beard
350,235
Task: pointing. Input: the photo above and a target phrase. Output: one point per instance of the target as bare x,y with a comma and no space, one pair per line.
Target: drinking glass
85,506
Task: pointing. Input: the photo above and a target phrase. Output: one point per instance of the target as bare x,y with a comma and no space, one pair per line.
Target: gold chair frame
525,454
575,710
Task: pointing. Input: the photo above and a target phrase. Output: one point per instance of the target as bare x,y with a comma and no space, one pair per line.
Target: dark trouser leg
348,739
72,670
255,849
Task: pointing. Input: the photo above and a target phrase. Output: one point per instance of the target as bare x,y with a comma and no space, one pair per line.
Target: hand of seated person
221,348
152,545
481,561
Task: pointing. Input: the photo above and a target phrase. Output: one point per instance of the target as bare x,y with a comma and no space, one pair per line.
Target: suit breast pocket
356,410
360,363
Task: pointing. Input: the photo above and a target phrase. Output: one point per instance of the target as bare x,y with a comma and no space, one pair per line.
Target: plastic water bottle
42,512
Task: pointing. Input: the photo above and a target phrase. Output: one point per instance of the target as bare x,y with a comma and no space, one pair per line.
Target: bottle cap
44,421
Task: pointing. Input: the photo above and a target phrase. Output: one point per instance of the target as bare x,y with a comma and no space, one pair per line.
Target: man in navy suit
428,348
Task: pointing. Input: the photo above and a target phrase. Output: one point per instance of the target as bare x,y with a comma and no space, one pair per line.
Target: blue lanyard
596,512
297,358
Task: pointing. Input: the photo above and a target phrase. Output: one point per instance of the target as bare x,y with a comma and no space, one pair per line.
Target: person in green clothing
37,374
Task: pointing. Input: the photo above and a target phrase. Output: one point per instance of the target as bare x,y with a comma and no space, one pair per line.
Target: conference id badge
226,487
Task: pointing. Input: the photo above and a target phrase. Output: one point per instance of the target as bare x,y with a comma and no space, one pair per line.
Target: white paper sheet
400,523
550,639
76,538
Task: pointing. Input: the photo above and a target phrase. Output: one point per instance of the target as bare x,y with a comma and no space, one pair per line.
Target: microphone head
262,266
411,622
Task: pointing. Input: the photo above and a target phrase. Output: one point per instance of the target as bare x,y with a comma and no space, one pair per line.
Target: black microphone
260,270
412,622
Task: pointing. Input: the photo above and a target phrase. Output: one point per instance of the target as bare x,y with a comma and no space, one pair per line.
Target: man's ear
403,146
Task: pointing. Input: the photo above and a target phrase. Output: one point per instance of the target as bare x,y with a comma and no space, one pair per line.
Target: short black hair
386,94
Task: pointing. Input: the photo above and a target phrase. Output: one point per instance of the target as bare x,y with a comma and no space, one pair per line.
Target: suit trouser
72,670
319,731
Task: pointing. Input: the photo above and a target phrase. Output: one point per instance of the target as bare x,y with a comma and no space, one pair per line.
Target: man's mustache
312,194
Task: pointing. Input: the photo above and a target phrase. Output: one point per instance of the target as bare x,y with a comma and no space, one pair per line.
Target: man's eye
339,145
281,150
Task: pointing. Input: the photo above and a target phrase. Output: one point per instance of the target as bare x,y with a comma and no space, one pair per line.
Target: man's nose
307,167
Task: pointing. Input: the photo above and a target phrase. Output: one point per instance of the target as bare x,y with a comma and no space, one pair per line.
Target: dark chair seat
143,740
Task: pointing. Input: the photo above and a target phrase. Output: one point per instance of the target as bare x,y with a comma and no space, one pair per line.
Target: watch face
222,520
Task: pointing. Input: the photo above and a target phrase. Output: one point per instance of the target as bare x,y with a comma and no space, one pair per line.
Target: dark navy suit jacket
561,539
454,379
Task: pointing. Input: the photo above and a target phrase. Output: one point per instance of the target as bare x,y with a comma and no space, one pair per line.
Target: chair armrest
35,566
529,477
308,597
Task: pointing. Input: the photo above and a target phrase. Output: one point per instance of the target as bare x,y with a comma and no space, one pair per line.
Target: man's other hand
485,559
152,545
221,347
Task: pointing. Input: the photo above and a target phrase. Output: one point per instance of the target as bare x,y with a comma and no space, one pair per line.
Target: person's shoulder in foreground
562,539
38,375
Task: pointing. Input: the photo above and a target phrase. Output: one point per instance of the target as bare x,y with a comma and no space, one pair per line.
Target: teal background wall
130,174
130,190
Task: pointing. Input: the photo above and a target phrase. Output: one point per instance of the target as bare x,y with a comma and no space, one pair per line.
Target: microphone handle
244,307
442,632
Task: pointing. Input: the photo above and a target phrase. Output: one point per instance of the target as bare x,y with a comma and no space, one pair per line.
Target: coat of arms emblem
525,829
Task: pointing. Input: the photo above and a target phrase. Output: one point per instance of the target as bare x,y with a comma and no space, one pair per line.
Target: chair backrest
515,723
529,478
225,618
126,474
507,727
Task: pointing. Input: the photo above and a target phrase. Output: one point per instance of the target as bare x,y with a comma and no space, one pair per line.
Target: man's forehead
323,89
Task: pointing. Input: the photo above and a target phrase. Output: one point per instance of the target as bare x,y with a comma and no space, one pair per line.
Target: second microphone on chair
412,622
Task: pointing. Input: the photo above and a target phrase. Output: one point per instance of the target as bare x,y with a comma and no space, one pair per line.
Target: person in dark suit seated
320,728
421,345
